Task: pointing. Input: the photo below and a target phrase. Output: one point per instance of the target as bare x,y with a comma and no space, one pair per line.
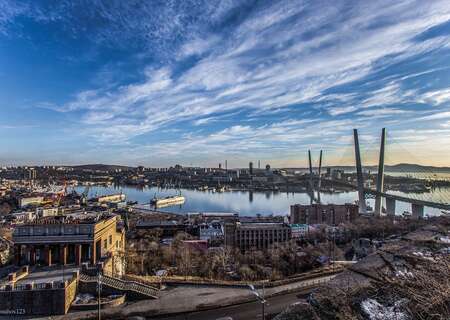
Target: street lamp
99,289
261,298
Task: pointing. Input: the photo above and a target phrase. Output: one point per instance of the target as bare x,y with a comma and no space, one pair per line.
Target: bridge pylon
359,175
380,175
311,175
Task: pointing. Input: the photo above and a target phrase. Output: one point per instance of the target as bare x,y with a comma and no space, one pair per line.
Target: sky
195,82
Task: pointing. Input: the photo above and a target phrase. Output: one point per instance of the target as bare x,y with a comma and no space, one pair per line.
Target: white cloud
285,56
437,97
436,116
228,78
381,112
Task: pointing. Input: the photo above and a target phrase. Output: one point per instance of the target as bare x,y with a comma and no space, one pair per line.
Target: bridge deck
437,205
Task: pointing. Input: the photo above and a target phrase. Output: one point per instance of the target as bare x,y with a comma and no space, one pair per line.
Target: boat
167,201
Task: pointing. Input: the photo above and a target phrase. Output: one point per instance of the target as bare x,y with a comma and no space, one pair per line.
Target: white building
25,201
46,212
211,232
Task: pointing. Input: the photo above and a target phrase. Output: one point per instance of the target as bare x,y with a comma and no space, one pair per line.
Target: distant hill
409,167
101,167
401,167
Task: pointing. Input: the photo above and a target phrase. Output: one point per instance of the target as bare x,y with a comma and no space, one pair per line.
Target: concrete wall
55,301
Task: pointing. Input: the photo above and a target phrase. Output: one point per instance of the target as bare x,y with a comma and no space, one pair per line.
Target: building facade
249,236
61,240
299,231
330,214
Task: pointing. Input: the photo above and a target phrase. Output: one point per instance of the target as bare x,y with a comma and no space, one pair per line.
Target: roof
78,218
262,225
160,223
298,225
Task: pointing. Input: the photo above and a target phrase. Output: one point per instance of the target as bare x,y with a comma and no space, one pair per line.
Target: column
63,254
32,255
390,207
78,254
417,211
93,253
17,252
48,255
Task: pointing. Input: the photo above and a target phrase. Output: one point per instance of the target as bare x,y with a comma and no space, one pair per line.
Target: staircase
140,289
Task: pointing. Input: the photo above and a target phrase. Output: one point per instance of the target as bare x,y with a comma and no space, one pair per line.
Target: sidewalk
191,298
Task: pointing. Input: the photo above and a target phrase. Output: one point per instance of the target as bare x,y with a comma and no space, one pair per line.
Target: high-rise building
31,174
250,168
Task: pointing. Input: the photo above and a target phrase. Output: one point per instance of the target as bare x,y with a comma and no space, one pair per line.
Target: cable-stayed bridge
365,191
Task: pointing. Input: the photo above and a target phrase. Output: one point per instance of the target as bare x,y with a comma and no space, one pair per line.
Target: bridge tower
359,175
311,182
320,169
380,176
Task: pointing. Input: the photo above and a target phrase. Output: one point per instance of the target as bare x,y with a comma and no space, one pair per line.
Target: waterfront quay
60,243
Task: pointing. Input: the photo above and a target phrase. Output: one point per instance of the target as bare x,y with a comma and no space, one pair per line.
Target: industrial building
247,236
330,214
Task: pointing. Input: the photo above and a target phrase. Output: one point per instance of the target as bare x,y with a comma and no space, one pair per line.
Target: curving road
245,311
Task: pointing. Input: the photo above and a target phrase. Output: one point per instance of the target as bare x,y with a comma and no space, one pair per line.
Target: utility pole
99,288
261,298
263,303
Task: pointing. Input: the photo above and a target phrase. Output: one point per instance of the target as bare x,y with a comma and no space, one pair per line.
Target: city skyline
198,82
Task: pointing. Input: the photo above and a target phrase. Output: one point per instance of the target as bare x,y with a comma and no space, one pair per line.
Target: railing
41,285
38,286
328,271
123,285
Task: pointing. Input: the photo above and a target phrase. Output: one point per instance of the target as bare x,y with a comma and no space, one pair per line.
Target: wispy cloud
322,62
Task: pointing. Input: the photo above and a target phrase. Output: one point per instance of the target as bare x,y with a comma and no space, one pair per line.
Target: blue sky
196,82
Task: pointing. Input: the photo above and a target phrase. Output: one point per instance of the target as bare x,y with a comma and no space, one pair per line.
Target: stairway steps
123,285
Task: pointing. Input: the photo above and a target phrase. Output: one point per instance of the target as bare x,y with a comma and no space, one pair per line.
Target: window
105,244
110,239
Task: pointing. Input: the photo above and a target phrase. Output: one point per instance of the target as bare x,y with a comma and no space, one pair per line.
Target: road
246,311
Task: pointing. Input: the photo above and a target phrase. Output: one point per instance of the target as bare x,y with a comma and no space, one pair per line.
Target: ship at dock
167,201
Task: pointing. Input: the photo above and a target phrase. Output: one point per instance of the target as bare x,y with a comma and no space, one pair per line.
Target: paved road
246,311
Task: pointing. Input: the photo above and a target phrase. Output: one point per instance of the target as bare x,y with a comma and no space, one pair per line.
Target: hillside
101,167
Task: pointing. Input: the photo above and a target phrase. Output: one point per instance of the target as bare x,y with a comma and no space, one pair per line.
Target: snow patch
403,274
377,311
445,239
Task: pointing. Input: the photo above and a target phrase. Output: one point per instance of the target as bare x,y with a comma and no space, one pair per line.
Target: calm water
247,203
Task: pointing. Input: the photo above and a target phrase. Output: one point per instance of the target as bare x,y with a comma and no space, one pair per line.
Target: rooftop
74,218
262,225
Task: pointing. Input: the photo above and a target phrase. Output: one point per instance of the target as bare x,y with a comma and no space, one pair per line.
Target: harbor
242,202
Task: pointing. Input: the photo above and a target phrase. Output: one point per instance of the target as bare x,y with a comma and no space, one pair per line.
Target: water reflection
242,202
